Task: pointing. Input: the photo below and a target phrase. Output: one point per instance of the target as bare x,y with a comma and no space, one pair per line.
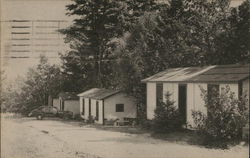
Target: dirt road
30,138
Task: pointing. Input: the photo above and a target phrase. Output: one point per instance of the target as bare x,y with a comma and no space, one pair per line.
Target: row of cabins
184,85
99,104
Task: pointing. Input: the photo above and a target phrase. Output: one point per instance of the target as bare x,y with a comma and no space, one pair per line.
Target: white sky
29,10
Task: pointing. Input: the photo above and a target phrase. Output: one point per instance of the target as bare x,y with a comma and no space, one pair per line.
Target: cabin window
97,110
159,93
83,106
119,108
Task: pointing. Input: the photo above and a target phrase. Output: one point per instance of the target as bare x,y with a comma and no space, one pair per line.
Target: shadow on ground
184,136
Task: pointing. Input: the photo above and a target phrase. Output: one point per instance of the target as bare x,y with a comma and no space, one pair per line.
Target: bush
91,119
167,117
225,118
146,124
78,117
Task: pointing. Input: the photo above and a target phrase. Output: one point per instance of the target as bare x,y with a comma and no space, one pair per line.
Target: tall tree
93,36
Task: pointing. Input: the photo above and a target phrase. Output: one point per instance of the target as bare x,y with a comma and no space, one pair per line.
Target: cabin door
183,102
89,107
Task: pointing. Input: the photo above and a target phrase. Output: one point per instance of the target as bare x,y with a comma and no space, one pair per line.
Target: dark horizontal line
46,33
47,44
20,26
37,21
19,20
50,20
45,51
36,39
46,39
20,39
20,32
34,21
19,57
26,57
20,44
37,0
65,57
20,51
47,27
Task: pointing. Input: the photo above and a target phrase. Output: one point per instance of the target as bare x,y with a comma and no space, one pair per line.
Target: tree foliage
233,44
184,33
93,36
225,118
41,82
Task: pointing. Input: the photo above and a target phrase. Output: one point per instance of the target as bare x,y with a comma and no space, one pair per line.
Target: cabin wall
93,107
120,98
80,107
100,110
72,105
195,100
86,109
56,103
61,102
151,100
100,118
234,87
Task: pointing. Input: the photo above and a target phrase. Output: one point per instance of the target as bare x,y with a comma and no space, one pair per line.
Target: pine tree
93,37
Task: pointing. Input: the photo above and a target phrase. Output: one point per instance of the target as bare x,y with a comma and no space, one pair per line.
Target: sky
33,10
28,10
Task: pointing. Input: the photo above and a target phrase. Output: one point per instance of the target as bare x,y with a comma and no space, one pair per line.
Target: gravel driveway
30,138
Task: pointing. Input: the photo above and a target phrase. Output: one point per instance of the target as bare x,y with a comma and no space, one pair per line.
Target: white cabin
104,104
184,85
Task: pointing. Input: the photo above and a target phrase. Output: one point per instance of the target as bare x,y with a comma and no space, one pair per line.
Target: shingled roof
98,93
68,96
215,73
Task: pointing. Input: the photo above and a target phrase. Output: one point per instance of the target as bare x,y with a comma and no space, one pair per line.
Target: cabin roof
215,73
98,93
68,96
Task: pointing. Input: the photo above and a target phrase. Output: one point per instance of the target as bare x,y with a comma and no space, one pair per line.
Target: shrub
167,117
146,124
91,119
78,117
225,118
